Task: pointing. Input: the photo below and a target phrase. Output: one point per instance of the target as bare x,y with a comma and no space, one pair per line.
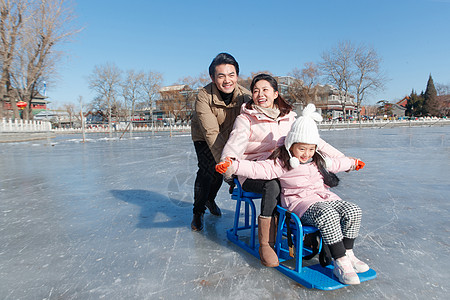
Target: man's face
225,78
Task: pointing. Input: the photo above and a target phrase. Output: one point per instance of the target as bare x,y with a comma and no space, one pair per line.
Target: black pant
208,181
270,190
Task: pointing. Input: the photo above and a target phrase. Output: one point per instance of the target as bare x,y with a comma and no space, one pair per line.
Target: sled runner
288,246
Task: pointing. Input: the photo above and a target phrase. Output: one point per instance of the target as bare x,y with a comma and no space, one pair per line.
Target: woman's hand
222,167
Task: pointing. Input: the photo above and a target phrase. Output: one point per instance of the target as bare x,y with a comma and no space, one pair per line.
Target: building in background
38,104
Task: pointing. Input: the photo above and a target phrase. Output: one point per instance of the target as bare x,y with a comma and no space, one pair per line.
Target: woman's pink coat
255,136
300,187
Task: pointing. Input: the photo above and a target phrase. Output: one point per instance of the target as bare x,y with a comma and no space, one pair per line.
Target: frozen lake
110,219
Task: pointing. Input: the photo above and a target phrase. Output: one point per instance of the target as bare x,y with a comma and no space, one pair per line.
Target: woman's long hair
282,104
329,178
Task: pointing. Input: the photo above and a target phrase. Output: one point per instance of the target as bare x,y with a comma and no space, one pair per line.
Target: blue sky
180,38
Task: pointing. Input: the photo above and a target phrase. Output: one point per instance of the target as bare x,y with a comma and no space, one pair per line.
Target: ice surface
110,219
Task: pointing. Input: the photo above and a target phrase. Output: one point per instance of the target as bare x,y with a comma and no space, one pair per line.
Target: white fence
104,128
45,126
383,123
24,126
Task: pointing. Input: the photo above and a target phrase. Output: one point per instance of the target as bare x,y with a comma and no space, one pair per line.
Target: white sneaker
344,271
359,266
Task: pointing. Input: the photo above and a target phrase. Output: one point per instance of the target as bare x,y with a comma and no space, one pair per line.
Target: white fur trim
294,162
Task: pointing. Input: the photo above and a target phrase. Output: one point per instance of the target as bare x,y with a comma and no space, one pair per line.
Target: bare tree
355,69
151,84
371,110
175,103
310,76
132,92
12,15
49,25
105,80
295,89
368,77
194,83
96,104
70,109
443,92
336,65
304,88
246,81
203,79
80,99
442,89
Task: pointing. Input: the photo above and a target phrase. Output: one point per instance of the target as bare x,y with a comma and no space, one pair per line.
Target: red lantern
21,104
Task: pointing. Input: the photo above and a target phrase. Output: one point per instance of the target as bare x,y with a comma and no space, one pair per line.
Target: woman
258,130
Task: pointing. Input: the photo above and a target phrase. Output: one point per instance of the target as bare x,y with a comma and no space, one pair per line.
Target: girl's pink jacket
300,187
255,136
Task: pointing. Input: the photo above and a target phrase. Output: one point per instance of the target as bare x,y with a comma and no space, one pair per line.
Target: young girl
305,177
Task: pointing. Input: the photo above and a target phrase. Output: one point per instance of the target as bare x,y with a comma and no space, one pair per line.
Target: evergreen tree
431,103
414,106
421,105
410,105
385,108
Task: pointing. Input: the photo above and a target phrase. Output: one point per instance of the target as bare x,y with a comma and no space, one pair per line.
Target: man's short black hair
223,59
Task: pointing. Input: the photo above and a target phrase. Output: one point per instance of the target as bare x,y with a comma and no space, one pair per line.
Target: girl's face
263,94
303,151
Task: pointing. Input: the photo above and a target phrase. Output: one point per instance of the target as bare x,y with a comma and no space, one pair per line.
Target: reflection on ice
109,218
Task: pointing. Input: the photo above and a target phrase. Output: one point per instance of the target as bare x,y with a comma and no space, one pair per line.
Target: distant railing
380,123
105,128
45,126
19,125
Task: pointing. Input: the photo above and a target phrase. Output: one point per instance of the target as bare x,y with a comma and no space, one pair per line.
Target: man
216,107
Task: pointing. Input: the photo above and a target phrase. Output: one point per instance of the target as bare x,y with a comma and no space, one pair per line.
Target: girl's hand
359,164
223,166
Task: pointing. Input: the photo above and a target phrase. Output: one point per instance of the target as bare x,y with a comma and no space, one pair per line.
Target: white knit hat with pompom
304,130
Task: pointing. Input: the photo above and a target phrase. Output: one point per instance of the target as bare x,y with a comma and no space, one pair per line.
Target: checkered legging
335,220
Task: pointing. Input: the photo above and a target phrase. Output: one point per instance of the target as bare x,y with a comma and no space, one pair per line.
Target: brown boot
267,231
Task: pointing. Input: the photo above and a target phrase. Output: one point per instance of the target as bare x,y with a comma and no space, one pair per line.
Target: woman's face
303,151
263,94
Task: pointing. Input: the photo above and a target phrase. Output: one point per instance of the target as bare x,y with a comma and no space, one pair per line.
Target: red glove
223,166
359,165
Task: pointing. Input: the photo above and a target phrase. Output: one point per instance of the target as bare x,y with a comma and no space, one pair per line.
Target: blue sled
244,235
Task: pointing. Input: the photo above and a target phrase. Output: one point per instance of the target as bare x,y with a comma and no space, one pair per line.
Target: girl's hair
283,106
329,178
